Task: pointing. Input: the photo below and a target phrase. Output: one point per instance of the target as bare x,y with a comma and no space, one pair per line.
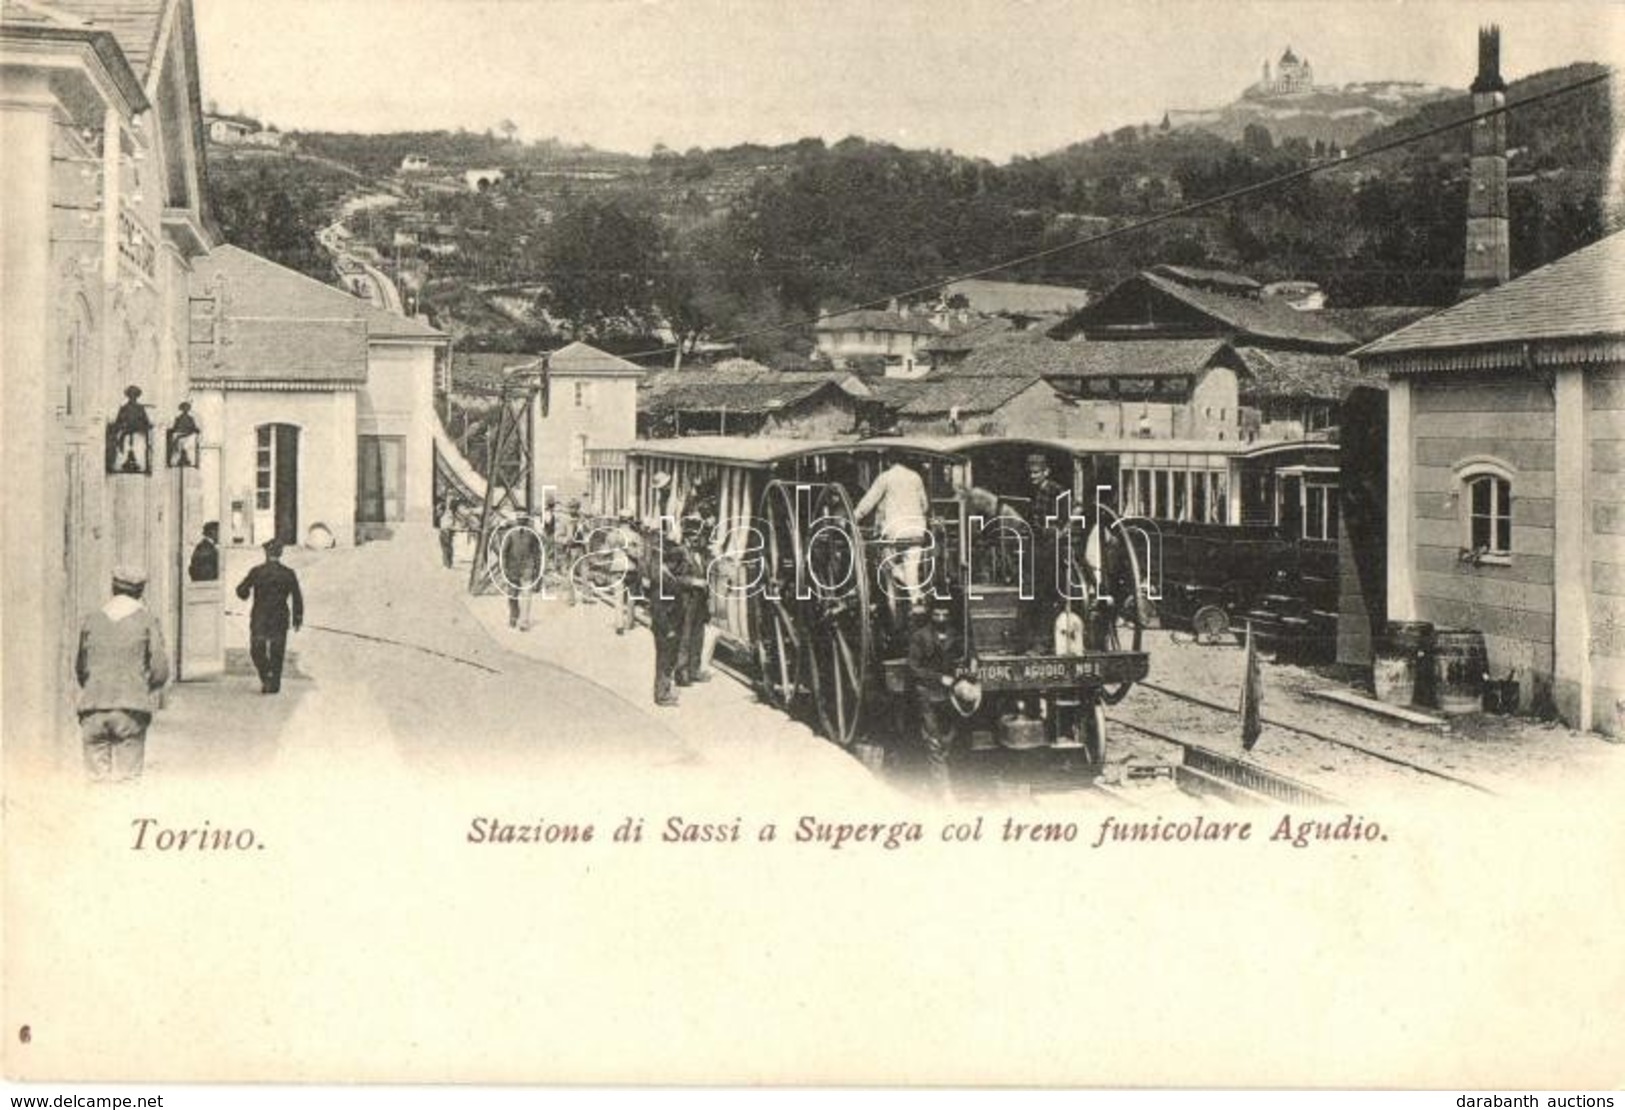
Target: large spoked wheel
1125,581
781,655
839,634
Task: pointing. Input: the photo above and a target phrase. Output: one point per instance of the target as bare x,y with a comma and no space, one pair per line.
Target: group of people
121,663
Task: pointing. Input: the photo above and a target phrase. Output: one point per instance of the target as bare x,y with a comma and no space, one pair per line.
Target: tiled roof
259,288
581,358
1261,319
971,396
1310,374
1029,353
1580,296
735,374
877,320
740,397
1142,358
971,336
317,352
134,23
1374,321
1218,280
1017,296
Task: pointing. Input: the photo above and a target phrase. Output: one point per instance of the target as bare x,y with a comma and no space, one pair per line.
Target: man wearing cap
694,600
121,664
521,568
1048,517
935,651
205,562
668,575
276,599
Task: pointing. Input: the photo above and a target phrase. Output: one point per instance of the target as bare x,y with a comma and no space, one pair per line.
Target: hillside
1335,117
703,244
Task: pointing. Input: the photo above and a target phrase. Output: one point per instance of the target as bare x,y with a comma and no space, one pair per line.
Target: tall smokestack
1489,248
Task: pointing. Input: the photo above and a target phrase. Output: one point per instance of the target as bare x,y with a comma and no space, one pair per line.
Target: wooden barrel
1398,660
1459,663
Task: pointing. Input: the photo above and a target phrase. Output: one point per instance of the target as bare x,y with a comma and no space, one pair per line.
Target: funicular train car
807,593
1239,533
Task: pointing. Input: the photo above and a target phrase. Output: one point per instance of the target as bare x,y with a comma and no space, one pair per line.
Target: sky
991,78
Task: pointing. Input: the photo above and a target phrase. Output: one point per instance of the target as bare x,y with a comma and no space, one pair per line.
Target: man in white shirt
902,511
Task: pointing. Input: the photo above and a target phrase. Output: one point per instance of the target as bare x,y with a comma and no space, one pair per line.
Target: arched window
1485,505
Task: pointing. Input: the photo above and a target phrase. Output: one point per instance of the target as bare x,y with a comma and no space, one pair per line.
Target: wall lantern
183,438
129,437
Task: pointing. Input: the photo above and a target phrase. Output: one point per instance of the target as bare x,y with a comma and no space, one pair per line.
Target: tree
603,269
1257,140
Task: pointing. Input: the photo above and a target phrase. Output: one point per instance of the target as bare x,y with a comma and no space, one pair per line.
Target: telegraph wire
1150,221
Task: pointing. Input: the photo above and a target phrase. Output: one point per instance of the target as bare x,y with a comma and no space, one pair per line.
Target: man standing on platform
902,511
1047,519
277,603
935,651
668,577
121,664
205,563
695,601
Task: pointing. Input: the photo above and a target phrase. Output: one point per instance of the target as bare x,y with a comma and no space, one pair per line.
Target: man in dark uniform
1047,517
276,598
521,568
935,651
446,523
667,575
205,563
695,600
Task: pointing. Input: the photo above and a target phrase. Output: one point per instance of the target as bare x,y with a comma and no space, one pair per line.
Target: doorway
276,483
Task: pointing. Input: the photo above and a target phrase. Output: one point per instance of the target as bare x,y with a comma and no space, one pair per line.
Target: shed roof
741,397
969,395
134,24
1580,296
1316,375
583,358
257,288
330,353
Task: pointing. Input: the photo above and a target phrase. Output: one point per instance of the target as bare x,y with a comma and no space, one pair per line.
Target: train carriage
807,592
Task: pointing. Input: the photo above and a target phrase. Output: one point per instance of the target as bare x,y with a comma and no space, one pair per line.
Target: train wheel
781,649
1092,726
781,661
839,634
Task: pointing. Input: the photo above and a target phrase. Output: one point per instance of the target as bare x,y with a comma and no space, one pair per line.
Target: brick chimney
1489,250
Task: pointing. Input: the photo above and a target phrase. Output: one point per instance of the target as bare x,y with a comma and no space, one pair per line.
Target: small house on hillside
895,337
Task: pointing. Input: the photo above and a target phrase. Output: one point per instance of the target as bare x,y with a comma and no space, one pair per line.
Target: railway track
1297,764
1194,768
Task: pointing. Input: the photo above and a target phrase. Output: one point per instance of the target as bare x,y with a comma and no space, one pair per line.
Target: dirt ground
1505,755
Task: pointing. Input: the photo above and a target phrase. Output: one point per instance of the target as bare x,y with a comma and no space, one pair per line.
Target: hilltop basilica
1292,75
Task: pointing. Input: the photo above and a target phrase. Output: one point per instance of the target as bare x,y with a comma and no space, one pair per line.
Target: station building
1506,513
105,196
317,407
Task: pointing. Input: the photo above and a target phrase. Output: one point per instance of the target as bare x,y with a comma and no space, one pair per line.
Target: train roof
755,451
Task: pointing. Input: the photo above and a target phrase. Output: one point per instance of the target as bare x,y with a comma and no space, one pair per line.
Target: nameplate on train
1037,671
